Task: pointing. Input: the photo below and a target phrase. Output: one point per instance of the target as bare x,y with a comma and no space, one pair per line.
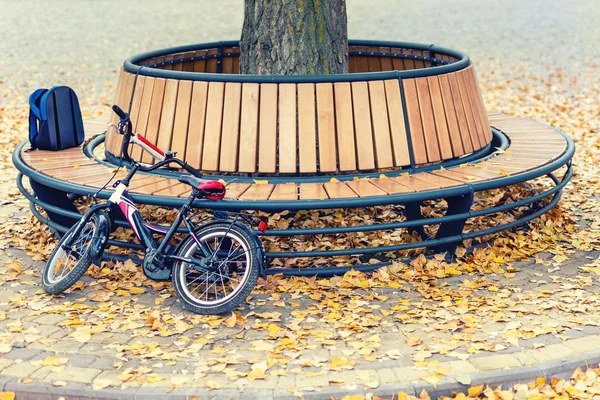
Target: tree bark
294,37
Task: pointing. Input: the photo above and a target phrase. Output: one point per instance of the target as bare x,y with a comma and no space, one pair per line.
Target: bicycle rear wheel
230,272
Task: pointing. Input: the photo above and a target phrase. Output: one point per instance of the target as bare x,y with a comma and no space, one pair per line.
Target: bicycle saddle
211,190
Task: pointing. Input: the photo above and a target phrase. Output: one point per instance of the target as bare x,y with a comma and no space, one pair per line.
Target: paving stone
5,362
114,338
287,382
115,381
386,375
557,351
20,370
585,344
50,319
344,377
270,382
459,367
498,361
65,346
22,354
75,374
81,360
96,349
408,374
102,363
42,373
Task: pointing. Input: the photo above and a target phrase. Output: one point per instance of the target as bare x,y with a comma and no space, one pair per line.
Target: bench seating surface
525,153
307,128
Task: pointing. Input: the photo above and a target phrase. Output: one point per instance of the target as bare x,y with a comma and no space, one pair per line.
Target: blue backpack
55,121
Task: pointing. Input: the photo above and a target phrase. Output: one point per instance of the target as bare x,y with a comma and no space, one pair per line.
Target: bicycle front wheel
68,264
231,265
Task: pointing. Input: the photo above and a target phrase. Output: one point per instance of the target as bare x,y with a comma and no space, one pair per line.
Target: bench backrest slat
287,128
249,127
362,125
440,117
212,130
451,116
144,112
326,128
182,118
345,126
307,132
397,125
200,65
267,128
381,127
195,137
154,116
414,120
231,127
429,129
460,114
167,117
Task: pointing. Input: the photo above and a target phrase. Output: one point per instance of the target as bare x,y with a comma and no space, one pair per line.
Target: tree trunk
294,37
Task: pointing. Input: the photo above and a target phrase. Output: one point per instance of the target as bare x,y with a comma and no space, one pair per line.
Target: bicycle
212,270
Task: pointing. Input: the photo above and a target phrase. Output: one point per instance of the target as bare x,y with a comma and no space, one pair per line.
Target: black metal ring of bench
452,223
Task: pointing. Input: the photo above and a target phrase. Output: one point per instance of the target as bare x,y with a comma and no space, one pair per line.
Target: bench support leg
56,198
413,213
456,205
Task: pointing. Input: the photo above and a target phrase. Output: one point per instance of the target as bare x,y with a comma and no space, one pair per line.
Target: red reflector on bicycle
262,226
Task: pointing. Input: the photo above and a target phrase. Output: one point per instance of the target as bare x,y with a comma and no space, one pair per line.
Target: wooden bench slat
228,62
211,63
195,138
437,180
49,166
200,65
461,115
338,190
167,118
363,129
381,127
267,134
414,121
419,63
326,128
345,126
364,188
188,66
307,134
249,127
258,192
459,174
81,172
386,62
473,93
374,62
397,125
312,191
439,114
398,63
409,63
285,191
464,94
174,191
113,119
212,129
481,106
143,114
362,62
236,61
231,127
287,128
391,186
234,190
428,120
137,101
451,119
182,119
415,184
154,116
153,187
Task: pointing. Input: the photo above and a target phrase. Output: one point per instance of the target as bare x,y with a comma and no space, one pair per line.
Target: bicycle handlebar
125,121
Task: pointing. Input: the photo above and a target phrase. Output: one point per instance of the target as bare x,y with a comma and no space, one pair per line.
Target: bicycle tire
253,266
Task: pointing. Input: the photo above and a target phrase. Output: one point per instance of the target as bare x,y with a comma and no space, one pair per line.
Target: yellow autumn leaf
341,362
7,395
59,383
261,181
76,165
463,379
51,361
256,373
230,322
137,290
101,384
333,180
475,391
432,380
81,336
179,380
212,385
15,267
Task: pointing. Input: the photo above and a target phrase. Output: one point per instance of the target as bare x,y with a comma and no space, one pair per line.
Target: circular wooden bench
406,125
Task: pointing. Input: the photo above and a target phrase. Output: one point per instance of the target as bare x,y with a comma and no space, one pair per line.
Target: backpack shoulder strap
34,115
